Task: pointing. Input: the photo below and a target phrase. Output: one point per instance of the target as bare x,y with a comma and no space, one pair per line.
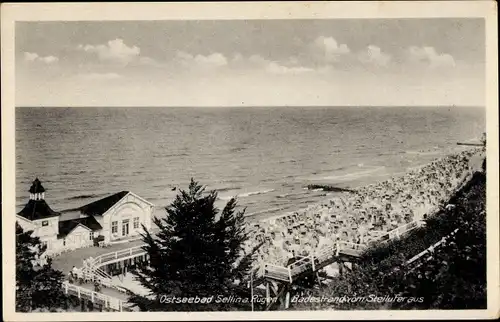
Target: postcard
250,160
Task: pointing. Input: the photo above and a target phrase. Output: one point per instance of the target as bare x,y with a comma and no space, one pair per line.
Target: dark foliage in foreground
196,253
38,288
454,277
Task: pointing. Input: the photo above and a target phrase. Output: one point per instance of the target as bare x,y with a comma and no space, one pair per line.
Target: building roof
36,187
99,207
37,209
66,226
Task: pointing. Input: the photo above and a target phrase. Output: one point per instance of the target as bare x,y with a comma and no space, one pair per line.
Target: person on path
97,286
74,272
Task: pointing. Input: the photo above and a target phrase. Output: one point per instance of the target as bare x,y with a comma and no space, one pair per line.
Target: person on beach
374,209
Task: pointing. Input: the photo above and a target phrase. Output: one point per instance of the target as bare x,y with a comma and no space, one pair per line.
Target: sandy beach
362,216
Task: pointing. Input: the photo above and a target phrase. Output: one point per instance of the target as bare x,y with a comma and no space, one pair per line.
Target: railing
91,269
269,270
107,301
431,248
124,253
101,273
277,272
326,253
300,266
93,273
405,228
340,247
310,262
348,245
397,232
428,251
349,248
104,281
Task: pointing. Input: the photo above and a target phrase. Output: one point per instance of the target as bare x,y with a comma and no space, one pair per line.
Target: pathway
66,261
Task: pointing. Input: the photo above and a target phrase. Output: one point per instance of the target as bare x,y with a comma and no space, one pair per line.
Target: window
45,223
91,235
136,222
114,227
125,227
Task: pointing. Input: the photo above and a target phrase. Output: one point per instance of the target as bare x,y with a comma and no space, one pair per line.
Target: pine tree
197,252
37,287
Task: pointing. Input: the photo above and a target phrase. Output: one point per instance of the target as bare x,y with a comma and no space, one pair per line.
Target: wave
283,196
266,211
238,149
299,197
71,173
354,175
413,152
292,194
287,161
247,194
173,155
254,193
160,186
226,189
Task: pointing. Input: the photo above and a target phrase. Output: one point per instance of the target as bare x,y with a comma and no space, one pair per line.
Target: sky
324,62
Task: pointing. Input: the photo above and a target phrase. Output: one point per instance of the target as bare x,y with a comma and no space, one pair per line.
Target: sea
264,156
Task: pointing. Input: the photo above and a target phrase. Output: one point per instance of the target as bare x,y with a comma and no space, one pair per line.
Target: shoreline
384,178
71,198
293,231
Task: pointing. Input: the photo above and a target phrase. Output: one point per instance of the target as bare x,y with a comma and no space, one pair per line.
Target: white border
245,10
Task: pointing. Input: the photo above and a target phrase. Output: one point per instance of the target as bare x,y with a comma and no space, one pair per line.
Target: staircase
325,256
92,270
93,273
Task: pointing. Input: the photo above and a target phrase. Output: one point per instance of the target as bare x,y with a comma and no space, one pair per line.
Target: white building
38,216
119,216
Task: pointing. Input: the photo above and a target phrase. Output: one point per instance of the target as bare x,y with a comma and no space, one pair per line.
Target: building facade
117,217
38,216
121,215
